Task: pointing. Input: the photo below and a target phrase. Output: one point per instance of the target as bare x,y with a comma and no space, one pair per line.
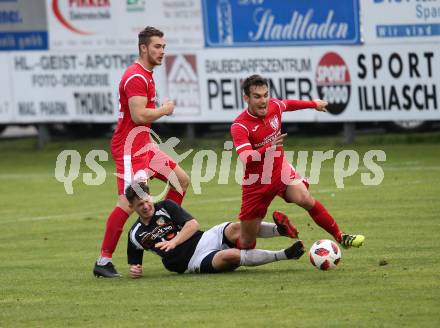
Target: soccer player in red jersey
135,154
258,140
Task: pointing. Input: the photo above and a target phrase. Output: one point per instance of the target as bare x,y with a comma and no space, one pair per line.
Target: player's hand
168,107
136,271
320,105
166,245
278,141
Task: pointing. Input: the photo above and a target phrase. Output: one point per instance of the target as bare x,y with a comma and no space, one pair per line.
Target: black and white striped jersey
166,223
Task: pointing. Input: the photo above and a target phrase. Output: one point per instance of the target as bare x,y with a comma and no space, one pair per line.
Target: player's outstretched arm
317,104
321,105
141,116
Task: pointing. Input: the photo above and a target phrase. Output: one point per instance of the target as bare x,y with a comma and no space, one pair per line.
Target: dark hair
136,190
253,80
145,35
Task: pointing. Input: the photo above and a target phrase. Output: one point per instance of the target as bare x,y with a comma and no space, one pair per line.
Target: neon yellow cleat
348,241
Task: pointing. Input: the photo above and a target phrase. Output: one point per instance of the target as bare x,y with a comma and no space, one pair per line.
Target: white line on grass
80,215
76,215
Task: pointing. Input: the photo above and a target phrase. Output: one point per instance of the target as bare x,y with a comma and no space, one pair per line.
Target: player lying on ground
257,137
168,230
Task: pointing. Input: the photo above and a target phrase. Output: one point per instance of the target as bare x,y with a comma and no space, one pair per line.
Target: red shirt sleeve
136,85
292,105
240,137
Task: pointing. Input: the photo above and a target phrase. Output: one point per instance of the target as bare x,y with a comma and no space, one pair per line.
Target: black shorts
206,265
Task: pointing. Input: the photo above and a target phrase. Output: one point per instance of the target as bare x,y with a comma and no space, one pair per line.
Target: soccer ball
325,254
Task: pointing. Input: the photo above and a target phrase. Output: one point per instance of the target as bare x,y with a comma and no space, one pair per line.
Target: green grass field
49,241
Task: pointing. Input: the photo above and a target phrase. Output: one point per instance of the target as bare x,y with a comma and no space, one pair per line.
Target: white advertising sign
60,87
109,24
395,83
6,99
360,84
375,83
391,21
221,71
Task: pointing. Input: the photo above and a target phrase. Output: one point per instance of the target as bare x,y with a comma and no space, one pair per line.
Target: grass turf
49,241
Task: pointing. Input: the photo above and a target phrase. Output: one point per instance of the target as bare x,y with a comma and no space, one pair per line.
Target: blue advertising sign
23,25
242,23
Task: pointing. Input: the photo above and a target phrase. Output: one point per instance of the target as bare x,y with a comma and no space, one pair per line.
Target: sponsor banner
183,83
360,84
238,23
290,74
68,87
390,21
23,25
110,24
396,83
6,110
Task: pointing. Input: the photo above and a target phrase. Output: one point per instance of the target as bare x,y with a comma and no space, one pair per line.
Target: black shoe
295,251
106,271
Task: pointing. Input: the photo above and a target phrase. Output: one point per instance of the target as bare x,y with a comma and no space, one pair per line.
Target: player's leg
298,193
118,216
165,169
229,259
266,230
183,182
254,206
232,233
213,255
222,261
248,233
114,226
211,242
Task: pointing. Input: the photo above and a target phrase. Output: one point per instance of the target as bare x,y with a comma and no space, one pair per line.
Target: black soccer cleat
295,251
106,271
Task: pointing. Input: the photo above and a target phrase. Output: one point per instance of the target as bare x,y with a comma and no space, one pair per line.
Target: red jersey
250,132
136,81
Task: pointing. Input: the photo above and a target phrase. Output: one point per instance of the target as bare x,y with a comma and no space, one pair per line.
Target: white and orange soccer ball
325,254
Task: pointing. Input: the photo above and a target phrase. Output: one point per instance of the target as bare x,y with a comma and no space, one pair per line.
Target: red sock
238,245
175,196
113,230
323,218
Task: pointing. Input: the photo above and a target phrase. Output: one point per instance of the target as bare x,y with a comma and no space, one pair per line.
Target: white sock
102,260
268,230
254,257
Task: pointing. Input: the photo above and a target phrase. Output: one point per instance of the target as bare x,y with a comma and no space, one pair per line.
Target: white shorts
211,241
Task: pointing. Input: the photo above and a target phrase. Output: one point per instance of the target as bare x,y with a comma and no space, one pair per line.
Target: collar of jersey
253,116
136,62
142,222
